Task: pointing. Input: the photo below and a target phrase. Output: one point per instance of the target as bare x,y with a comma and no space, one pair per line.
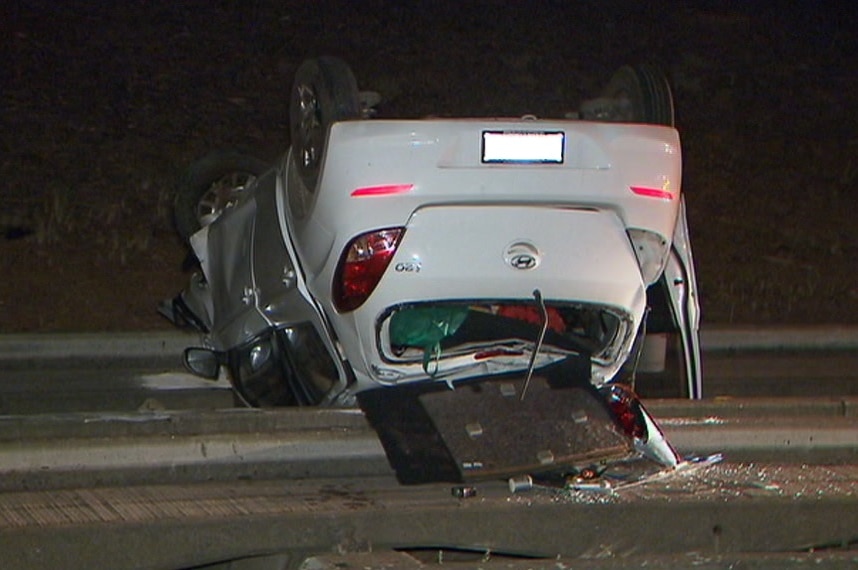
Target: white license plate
539,147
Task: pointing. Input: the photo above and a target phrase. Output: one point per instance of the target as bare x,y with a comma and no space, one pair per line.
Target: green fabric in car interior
426,327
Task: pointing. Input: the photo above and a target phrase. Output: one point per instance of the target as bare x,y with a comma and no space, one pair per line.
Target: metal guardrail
87,346
750,338
169,344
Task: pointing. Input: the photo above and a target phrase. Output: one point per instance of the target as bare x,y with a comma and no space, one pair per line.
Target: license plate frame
523,147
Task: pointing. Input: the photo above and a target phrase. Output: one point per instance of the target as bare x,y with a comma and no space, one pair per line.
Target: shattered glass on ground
639,479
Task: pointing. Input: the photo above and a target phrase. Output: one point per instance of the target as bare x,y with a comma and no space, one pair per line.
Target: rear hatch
463,288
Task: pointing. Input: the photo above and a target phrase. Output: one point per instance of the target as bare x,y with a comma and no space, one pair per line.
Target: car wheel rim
309,126
222,194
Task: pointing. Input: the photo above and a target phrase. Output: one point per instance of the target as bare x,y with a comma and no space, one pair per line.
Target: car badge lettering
408,267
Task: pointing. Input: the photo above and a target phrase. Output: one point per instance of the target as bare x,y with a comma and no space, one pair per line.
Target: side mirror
202,362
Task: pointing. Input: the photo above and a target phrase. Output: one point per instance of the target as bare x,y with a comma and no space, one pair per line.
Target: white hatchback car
385,253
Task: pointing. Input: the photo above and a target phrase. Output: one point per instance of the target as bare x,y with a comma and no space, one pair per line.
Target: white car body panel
460,213
442,159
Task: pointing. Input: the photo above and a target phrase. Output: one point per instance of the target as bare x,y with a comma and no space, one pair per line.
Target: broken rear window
497,328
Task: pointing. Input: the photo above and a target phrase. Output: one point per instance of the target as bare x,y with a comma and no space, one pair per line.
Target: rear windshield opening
462,327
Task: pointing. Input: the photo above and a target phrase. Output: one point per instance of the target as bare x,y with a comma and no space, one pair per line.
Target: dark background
104,104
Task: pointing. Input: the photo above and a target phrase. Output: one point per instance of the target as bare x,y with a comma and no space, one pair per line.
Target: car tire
324,92
210,185
647,93
635,94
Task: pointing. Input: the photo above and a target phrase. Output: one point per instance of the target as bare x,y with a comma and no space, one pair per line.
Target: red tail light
626,408
385,190
652,192
361,266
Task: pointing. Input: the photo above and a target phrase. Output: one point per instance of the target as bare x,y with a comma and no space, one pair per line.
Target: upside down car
408,265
